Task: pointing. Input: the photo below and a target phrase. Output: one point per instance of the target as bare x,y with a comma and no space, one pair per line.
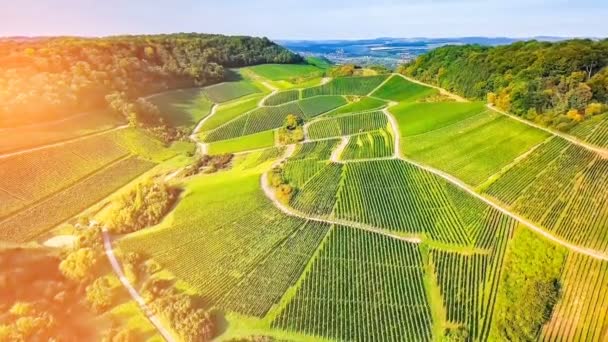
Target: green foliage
182,107
143,206
76,74
547,78
209,164
529,289
79,265
100,295
460,334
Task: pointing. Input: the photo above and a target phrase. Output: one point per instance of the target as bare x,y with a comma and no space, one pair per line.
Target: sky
310,19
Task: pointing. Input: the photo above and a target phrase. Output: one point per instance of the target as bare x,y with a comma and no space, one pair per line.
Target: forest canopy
554,84
48,78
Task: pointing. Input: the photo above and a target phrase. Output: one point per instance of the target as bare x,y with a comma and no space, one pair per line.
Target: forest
49,78
554,84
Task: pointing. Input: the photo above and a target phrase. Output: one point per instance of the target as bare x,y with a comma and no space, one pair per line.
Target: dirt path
325,80
107,243
396,133
601,151
270,194
61,143
201,146
337,152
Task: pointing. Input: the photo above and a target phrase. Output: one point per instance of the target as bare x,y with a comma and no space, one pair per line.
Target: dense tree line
555,84
47,78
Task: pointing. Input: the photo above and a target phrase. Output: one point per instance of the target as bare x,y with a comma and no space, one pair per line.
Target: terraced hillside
399,215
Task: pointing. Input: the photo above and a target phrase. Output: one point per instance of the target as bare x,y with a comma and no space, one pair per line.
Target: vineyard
359,104
354,296
227,112
561,186
35,220
359,85
582,314
282,97
17,138
30,177
475,148
314,106
227,91
478,227
258,120
347,125
182,107
399,89
593,130
377,144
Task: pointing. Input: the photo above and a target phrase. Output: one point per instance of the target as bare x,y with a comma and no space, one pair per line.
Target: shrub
144,206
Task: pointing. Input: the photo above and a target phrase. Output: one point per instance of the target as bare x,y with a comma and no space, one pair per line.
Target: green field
360,105
244,143
468,142
276,72
312,107
399,89
14,139
230,110
347,125
378,144
282,97
227,91
182,107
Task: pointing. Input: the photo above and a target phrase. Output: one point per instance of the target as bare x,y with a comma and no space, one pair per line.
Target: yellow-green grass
17,138
142,144
473,149
244,143
360,105
399,89
227,91
228,111
182,107
418,118
276,72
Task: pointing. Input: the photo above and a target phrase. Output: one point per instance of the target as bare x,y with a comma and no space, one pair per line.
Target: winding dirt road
107,244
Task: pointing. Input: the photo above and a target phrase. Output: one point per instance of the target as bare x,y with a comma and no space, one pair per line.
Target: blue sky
319,19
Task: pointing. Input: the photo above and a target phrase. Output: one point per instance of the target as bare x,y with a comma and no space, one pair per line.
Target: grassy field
14,139
276,72
419,118
359,105
399,89
470,144
244,143
227,91
182,107
231,110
